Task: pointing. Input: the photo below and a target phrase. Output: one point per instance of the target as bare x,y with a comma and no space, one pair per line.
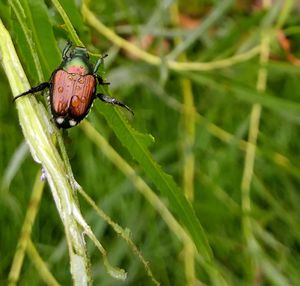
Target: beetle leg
99,62
35,89
112,100
100,80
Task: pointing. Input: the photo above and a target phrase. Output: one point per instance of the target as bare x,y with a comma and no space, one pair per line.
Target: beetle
73,87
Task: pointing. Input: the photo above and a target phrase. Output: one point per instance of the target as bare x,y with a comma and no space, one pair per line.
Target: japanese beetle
73,87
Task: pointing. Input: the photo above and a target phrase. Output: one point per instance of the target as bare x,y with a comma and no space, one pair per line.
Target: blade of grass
73,35
253,262
31,37
188,141
289,109
154,200
157,61
32,210
139,183
165,183
40,265
217,13
273,156
119,230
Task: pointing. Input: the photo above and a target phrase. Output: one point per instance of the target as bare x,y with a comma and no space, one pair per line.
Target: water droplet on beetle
60,89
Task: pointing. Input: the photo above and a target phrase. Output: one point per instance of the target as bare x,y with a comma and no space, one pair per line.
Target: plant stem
157,61
40,265
252,245
26,230
188,139
38,130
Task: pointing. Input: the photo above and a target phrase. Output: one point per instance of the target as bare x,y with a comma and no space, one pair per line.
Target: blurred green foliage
223,99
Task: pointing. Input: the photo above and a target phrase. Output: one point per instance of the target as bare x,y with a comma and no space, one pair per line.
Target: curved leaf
130,138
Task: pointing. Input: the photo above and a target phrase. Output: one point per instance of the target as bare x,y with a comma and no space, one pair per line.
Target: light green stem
252,245
38,130
157,61
26,230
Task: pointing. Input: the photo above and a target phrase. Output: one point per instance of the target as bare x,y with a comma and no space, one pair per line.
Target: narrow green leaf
164,182
284,107
24,42
228,45
75,17
5,13
35,38
211,19
43,35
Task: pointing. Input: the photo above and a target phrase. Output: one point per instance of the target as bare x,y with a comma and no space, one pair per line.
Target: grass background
252,227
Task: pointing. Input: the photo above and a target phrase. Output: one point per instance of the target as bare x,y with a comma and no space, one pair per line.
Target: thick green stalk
38,131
